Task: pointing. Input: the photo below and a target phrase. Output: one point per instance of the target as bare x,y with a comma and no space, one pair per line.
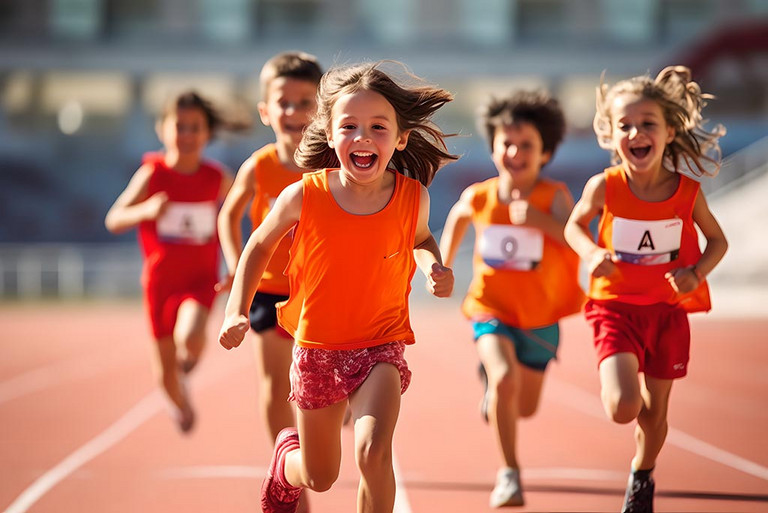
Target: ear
330,143
670,134
159,130
263,114
545,156
403,140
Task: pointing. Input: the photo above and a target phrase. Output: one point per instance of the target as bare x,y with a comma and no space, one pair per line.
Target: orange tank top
521,276
270,178
350,275
649,239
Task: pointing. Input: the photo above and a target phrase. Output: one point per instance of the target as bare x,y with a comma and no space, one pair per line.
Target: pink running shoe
277,494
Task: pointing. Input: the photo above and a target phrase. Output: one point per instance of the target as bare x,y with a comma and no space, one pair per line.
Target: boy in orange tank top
371,131
288,83
518,219
645,266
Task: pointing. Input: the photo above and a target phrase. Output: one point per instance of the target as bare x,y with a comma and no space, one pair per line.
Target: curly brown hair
681,101
414,105
535,107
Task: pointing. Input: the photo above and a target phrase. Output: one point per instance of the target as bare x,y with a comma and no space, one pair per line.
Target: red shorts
322,377
659,335
163,306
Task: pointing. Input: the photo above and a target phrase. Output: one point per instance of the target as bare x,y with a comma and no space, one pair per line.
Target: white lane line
586,402
132,419
401,497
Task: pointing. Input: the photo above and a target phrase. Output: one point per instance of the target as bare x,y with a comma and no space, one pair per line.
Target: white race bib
188,223
647,242
504,246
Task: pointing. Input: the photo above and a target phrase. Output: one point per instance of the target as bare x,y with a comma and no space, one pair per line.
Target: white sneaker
507,491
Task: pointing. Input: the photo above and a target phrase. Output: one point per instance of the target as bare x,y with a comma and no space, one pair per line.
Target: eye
347,126
624,127
379,127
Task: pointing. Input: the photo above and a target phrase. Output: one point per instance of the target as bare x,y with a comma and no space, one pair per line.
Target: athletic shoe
639,495
277,495
507,491
484,400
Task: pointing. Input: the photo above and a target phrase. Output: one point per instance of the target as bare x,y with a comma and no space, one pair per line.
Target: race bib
504,246
647,242
188,223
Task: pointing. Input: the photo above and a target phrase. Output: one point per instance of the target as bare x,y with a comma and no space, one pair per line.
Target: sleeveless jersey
181,246
521,276
649,239
350,275
270,178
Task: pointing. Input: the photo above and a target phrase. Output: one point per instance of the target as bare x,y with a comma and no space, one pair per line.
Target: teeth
362,154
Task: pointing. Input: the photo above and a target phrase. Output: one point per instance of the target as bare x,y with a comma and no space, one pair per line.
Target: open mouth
640,151
363,159
296,129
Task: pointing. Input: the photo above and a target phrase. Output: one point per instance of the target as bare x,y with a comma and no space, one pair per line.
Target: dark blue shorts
534,348
262,314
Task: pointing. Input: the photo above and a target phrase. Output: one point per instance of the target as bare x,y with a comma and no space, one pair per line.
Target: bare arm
256,254
552,224
688,279
133,206
427,253
455,228
598,260
231,215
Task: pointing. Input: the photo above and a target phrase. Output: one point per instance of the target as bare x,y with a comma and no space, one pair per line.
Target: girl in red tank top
360,231
646,269
173,199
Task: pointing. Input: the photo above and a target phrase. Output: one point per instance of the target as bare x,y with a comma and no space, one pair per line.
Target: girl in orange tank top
361,229
646,270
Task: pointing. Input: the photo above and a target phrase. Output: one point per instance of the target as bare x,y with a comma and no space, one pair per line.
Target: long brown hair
681,100
414,106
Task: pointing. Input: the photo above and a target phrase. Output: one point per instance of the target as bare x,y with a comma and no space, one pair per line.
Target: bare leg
620,387
651,429
375,408
273,363
189,333
166,372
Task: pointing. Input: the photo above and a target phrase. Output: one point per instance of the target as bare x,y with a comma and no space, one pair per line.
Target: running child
646,269
288,84
360,231
173,199
518,218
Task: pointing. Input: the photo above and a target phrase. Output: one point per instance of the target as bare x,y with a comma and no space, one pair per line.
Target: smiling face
518,150
639,131
288,106
364,134
186,130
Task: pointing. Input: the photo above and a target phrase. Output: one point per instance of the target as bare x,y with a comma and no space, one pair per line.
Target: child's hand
233,331
155,205
440,280
224,284
601,264
683,279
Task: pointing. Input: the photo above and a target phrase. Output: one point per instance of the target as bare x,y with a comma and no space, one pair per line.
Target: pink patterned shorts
322,377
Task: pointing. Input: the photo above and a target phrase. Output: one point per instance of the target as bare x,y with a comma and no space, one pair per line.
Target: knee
321,479
373,457
528,409
622,408
503,384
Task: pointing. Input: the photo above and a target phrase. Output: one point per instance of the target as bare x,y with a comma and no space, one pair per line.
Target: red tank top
521,277
350,275
649,239
270,178
183,241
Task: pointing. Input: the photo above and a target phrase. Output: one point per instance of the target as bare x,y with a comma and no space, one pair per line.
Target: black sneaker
484,401
639,495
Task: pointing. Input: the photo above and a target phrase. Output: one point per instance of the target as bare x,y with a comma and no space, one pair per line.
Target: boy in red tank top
173,198
518,218
288,83
646,270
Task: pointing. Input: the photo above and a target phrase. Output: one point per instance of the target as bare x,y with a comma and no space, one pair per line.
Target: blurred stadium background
82,80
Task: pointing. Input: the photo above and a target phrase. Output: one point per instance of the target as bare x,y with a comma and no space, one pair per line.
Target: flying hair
414,104
694,148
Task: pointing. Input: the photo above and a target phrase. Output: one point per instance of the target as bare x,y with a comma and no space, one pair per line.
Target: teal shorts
534,348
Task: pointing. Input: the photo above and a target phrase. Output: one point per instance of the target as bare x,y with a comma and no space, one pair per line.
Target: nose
290,109
363,135
632,132
512,150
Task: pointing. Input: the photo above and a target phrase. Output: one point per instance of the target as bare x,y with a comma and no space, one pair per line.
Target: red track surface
82,428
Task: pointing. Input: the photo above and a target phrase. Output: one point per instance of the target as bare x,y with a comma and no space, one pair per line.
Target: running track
82,428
